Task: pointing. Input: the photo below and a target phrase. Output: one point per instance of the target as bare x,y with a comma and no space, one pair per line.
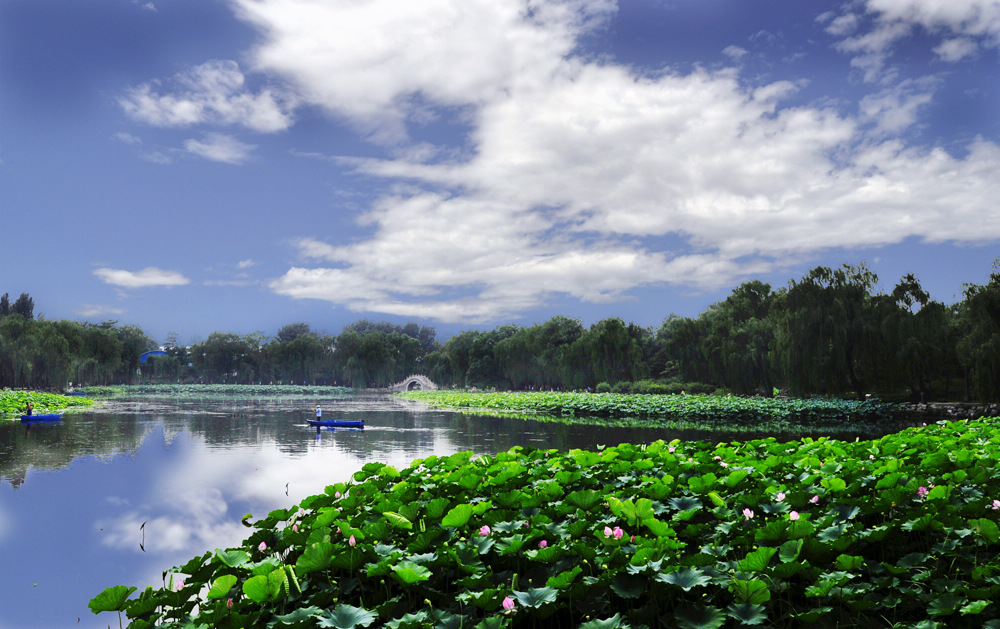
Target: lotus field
895,532
697,411
12,403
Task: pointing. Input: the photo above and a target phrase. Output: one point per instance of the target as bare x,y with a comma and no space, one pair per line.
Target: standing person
28,408
319,413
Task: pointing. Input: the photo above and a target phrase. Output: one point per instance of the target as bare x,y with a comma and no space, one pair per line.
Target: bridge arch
415,381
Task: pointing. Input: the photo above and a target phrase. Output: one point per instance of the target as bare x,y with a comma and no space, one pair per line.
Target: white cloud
150,276
965,25
734,52
93,310
220,148
127,138
564,177
956,49
245,264
589,179
894,109
368,60
213,92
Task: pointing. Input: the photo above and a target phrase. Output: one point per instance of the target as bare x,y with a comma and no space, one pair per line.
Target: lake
122,493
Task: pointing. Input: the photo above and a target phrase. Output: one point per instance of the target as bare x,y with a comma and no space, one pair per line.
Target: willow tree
979,346
828,336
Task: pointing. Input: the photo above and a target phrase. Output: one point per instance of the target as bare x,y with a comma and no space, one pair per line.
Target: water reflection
119,494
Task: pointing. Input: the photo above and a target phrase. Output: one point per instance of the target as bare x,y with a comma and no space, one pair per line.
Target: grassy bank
898,531
218,390
12,403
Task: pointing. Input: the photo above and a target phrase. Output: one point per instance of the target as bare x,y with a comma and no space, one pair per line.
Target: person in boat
319,413
28,408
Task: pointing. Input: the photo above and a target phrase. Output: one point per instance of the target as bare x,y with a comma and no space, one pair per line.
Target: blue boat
51,417
337,423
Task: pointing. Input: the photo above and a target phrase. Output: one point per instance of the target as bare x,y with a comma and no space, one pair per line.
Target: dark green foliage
899,531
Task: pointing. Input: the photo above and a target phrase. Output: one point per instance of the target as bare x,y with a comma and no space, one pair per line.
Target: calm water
74,496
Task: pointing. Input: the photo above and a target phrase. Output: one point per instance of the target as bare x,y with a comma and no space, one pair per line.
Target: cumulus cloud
893,110
587,178
150,276
220,148
368,61
964,25
213,92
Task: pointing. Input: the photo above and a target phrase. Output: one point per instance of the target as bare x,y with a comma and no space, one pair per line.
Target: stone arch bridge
410,383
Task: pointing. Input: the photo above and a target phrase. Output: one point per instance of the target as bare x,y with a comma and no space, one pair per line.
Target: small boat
75,393
337,423
51,417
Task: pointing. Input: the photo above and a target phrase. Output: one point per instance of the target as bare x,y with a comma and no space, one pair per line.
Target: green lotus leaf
987,529
397,520
747,613
789,551
408,572
112,599
458,516
347,617
757,560
536,597
700,617
299,617
585,499
409,621
221,586
316,557
752,591
629,586
685,578
615,622
974,607
232,558
563,580
945,605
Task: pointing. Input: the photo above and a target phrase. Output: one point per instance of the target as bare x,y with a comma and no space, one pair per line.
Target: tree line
828,333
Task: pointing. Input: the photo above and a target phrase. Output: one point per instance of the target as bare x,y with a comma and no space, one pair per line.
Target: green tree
828,337
979,345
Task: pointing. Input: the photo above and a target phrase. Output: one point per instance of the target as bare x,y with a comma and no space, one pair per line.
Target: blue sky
192,166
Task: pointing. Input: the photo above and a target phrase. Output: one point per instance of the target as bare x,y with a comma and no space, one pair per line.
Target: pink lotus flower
508,604
814,499
352,542
542,544
922,492
618,533
336,494
229,603
262,547
295,528
794,515
484,531
179,585
996,505
671,449
608,532
778,497
747,513
724,464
